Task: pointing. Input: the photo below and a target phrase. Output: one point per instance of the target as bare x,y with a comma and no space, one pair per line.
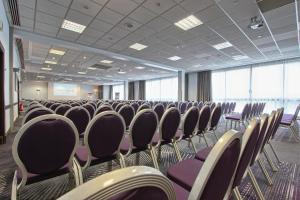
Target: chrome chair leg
265,172
272,165
274,152
236,193
179,158
255,185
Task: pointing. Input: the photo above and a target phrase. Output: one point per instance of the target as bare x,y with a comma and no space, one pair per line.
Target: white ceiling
153,25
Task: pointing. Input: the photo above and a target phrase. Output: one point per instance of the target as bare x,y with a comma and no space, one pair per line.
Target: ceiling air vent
267,5
14,12
97,66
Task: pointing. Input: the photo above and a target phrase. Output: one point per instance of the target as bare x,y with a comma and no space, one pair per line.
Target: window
218,86
118,92
162,89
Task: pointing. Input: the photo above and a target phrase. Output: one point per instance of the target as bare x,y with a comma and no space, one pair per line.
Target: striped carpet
286,182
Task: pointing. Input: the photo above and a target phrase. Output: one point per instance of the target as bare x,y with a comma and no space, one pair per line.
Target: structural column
181,85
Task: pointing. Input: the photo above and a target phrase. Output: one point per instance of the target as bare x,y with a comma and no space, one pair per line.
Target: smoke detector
256,23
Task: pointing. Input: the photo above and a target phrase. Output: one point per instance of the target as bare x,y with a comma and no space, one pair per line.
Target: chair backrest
44,145
103,108
200,105
169,124
190,121
261,136
212,105
135,106
189,105
159,110
33,107
90,108
215,117
278,120
171,105
204,117
245,111
114,105
62,109
141,183
103,135
182,108
127,112
249,141
119,106
35,113
54,106
143,127
212,182
80,117
143,106
195,103
296,113
223,107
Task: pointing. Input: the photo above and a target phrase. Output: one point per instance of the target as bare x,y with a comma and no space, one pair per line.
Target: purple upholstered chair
171,105
90,108
213,178
131,183
143,106
168,127
212,105
35,113
44,148
200,105
103,108
182,107
239,118
127,112
62,109
80,117
188,127
54,106
75,104
102,140
195,103
119,106
135,106
189,105
159,110
114,105
203,121
34,106
141,131
227,108
290,121
214,120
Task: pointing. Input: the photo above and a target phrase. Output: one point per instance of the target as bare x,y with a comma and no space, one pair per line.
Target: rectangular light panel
46,68
50,62
57,52
138,46
222,45
174,58
240,57
73,26
188,23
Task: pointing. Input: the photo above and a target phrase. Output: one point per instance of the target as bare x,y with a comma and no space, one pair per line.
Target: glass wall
118,92
165,89
274,83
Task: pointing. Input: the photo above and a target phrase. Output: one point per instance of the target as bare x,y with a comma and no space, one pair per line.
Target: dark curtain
100,91
110,92
204,86
142,88
186,87
131,91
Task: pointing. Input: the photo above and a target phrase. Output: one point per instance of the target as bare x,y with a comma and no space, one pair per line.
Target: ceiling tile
142,15
51,8
87,7
158,24
123,7
27,3
196,5
175,14
27,12
109,16
78,17
159,6
48,19
93,33
100,25
67,35
46,28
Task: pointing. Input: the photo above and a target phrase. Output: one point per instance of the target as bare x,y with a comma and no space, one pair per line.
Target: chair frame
35,109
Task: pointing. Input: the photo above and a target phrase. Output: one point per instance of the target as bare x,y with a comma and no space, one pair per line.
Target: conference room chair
219,169
141,131
171,105
102,108
182,107
212,105
119,106
33,106
35,113
159,110
102,140
114,105
189,105
80,116
167,130
188,127
62,109
290,121
195,103
200,105
127,112
214,120
44,148
203,121
135,106
54,106
238,118
90,108
143,107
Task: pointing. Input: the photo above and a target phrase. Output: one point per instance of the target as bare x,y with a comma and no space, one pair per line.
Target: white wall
29,91
192,86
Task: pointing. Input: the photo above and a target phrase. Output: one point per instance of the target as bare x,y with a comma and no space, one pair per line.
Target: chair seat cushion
125,145
82,156
181,193
286,122
203,153
185,172
287,117
178,133
236,116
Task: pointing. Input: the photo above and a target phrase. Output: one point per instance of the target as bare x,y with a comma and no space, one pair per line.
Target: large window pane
162,89
218,86
118,92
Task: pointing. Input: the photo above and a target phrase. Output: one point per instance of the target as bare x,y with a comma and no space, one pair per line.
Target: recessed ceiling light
40,76
73,26
195,66
46,68
53,58
63,64
92,68
138,46
81,72
222,45
240,57
84,57
188,23
107,61
140,67
260,36
57,52
121,72
119,58
68,79
174,58
109,76
50,62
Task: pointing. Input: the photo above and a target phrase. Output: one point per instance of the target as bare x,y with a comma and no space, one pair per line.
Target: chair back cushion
190,121
169,124
159,110
204,117
127,112
80,117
